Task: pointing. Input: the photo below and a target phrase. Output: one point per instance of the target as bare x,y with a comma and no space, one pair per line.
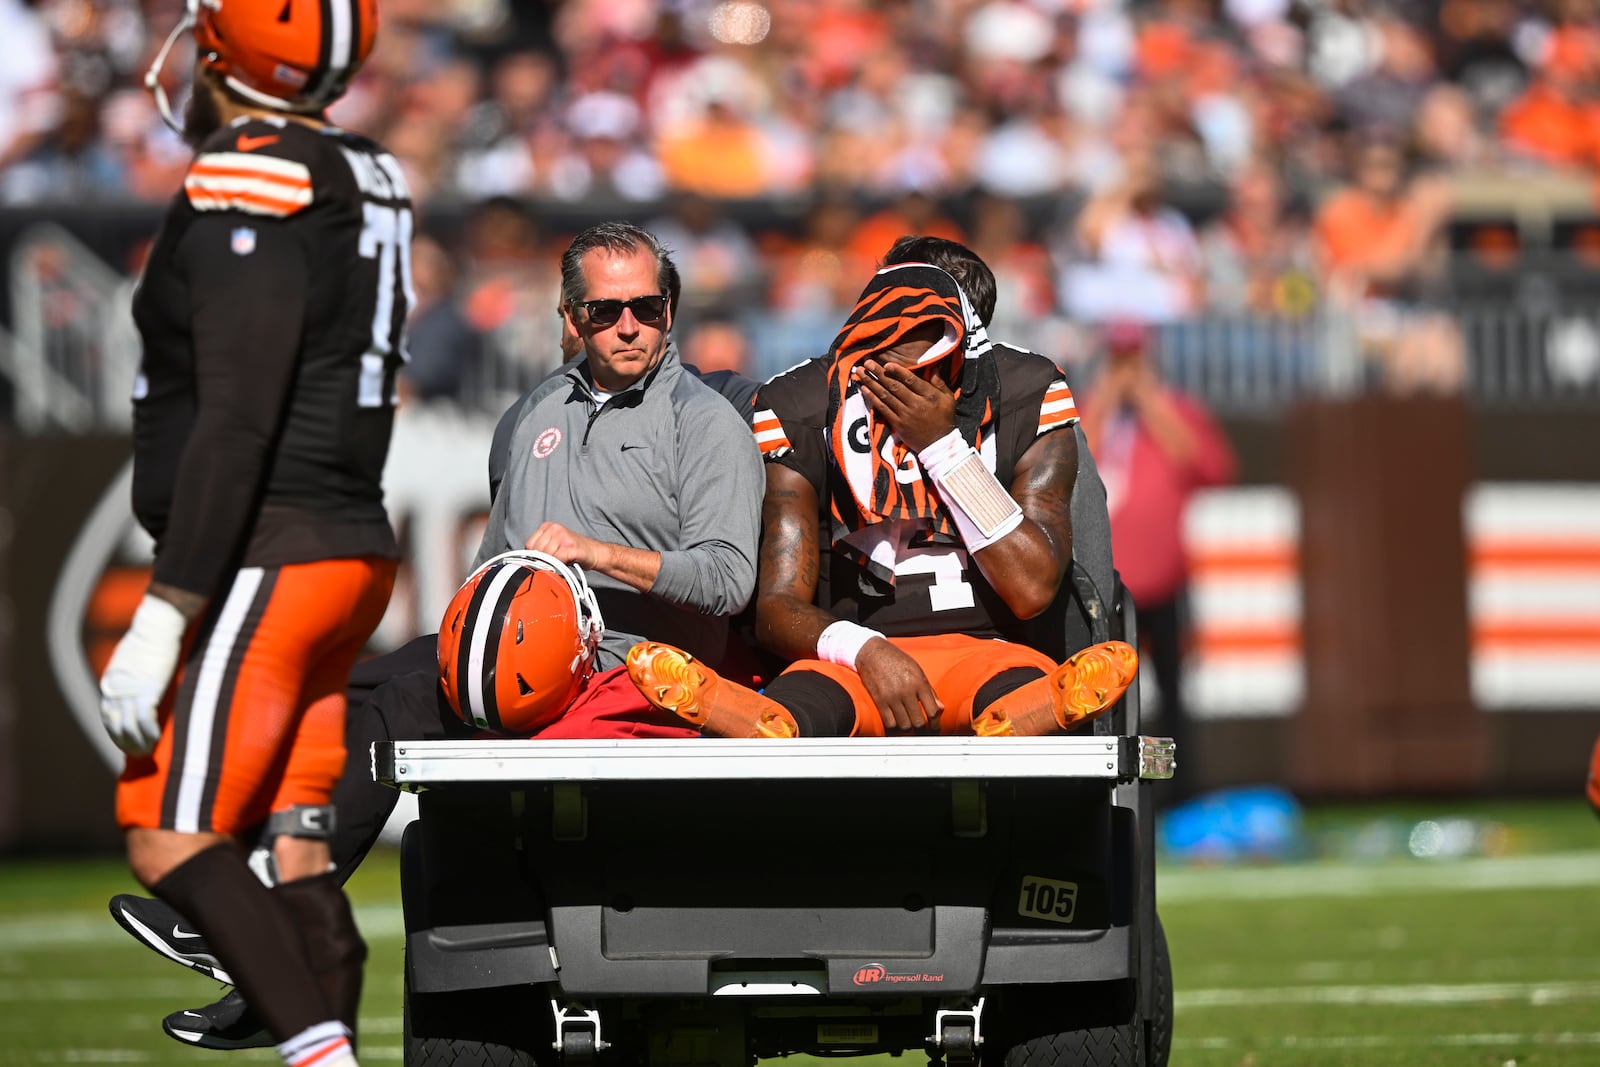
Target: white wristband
841,643
980,506
944,453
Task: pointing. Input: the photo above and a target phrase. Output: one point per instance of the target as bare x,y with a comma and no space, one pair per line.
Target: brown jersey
272,314
936,589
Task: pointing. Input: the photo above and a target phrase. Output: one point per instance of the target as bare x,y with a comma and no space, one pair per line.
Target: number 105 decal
1048,899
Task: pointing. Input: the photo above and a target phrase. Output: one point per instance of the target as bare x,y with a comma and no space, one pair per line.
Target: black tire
444,1052
480,1028
1158,1028
1068,1026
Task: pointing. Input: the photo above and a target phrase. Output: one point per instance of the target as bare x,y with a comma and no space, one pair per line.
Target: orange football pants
254,722
957,666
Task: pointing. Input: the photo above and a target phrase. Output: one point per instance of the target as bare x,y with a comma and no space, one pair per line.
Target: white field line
54,930
1363,1041
1536,994
1561,870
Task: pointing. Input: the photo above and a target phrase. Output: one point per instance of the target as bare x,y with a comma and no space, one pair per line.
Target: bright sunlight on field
1395,963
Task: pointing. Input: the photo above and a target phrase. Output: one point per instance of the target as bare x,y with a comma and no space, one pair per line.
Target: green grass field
1388,962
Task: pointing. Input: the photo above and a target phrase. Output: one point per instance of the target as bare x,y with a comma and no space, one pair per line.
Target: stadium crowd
1154,160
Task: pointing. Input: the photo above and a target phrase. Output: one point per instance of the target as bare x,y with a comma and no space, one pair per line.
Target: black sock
327,928
821,706
1006,681
253,935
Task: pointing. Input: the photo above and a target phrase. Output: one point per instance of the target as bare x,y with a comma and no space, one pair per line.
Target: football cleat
1087,684
159,926
226,1025
673,680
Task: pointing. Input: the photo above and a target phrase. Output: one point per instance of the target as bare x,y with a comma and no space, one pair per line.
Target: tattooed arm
788,623
787,620
1027,565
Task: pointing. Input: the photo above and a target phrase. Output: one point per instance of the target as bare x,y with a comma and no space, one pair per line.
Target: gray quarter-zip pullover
665,465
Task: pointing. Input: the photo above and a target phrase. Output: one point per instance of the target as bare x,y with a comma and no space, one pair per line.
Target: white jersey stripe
219,186
195,761
207,203
268,166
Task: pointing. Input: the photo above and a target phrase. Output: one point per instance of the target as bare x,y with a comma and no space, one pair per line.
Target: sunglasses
647,309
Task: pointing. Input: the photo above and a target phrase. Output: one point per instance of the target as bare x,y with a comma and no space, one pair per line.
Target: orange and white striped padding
1534,595
241,181
1245,656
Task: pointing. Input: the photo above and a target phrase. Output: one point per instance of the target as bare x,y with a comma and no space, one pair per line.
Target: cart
717,901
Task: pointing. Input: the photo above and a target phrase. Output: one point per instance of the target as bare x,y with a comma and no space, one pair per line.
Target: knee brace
312,821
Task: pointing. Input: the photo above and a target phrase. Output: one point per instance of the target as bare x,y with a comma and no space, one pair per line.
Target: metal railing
74,351
72,354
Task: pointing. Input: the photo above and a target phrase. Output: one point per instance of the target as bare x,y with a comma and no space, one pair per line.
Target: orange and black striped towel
878,479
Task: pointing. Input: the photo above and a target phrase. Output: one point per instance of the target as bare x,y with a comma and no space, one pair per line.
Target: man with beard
271,315
623,441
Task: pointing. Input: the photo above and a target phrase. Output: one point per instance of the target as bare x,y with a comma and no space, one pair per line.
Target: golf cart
717,901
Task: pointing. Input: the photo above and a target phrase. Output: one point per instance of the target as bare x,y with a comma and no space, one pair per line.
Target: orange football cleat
673,680
1085,685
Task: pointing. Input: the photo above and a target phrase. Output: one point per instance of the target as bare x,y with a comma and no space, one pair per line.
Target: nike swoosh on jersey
246,143
258,185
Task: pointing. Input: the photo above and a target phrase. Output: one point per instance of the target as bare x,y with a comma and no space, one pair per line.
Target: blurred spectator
1134,256
152,158
1386,96
608,159
498,158
717,343
72,162
1257,259
716,149
912,212
1155,447
1556,120
1379,240
1447,133
588,99
446,349
509,292
30,105
1021,265
819,273
719,263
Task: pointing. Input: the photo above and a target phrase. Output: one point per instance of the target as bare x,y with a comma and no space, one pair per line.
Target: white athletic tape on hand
982,509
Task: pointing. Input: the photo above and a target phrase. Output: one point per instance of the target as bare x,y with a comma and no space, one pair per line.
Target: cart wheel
459,1052
1054,1026
480,1028
1158,1028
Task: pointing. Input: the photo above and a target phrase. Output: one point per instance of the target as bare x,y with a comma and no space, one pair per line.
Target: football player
271,314
940,468
624,440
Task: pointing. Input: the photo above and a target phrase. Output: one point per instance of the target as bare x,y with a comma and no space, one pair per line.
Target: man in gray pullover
628,465
635,470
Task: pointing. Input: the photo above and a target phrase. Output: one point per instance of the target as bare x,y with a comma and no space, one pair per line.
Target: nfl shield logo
244,241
